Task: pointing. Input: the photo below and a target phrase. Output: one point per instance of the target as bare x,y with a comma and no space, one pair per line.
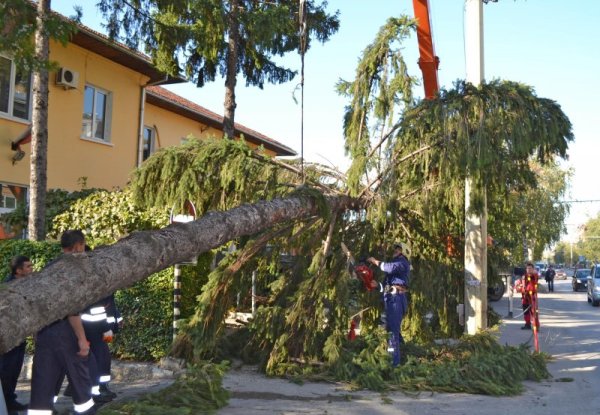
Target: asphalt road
570,332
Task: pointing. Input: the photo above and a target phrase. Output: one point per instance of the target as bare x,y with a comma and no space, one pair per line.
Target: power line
579,201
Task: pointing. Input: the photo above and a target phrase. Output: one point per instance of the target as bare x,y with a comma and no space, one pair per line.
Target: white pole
176,298
509,287
253,292
571,264
475,225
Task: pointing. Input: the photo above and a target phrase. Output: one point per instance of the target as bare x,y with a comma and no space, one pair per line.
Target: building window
11,197
15,90
149,142
96,114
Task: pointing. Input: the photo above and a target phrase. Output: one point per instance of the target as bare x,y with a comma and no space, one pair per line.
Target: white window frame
106,139
11,94
152,141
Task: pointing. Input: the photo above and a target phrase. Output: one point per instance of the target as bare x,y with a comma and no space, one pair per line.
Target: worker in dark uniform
397,272
101,350
62,347
95,324
11,362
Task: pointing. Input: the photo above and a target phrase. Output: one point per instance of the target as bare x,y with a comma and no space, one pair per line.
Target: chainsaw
359,270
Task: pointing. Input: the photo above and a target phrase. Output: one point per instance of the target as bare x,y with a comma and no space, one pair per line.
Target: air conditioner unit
67,78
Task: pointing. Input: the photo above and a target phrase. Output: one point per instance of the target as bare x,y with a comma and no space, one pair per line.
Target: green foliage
17,28
589,242
147,310
107,216
192,37
530,212
478,364
199,390
496,127
57,202
213,174
40,253
382,88
563,251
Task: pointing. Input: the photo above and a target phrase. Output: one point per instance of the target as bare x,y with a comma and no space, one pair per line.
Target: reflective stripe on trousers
84,406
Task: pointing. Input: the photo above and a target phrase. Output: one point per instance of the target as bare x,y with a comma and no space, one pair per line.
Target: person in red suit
529,284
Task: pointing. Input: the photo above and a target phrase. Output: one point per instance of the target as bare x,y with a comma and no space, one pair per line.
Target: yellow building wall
70,157
73,160
171,128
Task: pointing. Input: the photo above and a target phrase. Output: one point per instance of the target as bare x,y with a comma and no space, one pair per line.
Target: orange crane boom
428,62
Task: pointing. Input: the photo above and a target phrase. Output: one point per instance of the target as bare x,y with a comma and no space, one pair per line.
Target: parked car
579,279
593,286
496,291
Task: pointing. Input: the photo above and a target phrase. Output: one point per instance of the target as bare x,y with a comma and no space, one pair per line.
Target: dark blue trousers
395,308
56,351
10,368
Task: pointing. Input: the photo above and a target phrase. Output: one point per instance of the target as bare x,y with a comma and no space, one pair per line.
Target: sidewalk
254,393
130,379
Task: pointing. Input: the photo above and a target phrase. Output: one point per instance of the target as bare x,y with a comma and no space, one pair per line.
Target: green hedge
147,310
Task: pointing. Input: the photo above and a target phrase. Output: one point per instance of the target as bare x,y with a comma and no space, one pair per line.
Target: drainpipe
142,114
141,126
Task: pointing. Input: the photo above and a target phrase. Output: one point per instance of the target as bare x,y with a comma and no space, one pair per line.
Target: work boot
16,406
105,391
526,327
101,399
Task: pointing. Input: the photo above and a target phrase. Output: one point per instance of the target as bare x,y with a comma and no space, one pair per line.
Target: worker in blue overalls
394,287
62,347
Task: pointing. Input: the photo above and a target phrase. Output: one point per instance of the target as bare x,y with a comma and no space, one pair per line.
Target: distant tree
201,39
589,242
566,253
530,215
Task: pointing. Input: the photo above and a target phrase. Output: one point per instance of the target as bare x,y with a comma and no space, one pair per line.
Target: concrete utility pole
475,225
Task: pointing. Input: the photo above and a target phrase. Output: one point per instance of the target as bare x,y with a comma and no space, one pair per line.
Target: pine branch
393,163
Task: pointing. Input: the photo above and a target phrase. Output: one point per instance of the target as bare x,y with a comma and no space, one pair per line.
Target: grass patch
199,391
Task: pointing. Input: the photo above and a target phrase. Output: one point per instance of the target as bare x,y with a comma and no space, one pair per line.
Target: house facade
106,114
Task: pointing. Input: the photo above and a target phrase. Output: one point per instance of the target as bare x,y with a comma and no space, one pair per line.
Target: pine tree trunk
39,131
75,281
231,76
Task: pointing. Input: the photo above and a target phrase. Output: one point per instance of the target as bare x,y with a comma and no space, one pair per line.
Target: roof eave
160,101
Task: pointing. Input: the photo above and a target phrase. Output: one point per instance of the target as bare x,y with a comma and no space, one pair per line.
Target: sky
551,45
